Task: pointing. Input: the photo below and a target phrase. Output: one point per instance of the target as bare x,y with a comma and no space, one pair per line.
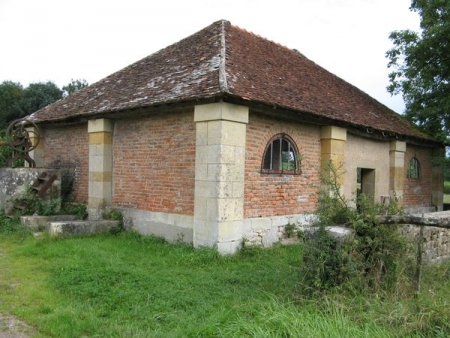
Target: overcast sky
61,40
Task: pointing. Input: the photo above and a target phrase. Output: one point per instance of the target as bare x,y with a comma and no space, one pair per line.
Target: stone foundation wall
171,227
266,231
436,242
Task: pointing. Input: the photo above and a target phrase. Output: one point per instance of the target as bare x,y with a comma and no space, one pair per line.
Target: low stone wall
436,242
13,182
40,222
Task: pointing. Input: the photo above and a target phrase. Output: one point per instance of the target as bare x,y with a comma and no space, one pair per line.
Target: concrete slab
69,228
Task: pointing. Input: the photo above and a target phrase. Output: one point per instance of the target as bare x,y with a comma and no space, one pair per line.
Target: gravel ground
11,327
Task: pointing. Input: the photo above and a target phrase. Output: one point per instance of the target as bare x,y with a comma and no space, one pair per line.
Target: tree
39,95
73,86
421,63
10,95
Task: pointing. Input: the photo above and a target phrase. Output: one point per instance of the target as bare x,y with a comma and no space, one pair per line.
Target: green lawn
447,192
127,285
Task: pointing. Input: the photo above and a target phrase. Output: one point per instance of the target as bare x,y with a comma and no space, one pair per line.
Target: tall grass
127,285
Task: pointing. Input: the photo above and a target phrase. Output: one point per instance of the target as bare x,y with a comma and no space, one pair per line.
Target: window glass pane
268,158
287,155
414,168
280,155
276,155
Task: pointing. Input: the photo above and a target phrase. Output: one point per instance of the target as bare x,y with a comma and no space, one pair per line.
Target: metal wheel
19,138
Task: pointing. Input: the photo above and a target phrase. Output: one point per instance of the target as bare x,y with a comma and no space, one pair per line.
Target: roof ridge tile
223,83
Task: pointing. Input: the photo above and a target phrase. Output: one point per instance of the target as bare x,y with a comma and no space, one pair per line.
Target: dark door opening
366,183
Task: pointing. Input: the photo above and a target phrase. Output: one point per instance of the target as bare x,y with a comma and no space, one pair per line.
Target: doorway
366,182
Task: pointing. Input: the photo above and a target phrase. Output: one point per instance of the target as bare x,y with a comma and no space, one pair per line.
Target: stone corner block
100,125
333,132
399,146
229,248
221,111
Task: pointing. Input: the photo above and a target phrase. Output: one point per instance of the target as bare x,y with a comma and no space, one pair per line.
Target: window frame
414,170
291,147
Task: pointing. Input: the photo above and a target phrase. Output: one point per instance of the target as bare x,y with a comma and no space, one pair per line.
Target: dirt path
11,327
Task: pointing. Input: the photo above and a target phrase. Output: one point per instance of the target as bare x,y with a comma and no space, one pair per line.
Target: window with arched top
414,168
281,156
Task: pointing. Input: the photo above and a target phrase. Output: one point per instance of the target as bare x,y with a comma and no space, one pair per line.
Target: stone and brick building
221,136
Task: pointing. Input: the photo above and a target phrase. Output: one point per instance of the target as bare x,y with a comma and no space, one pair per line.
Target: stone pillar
37,154
333,150
219,175
437,180
100,166
397,170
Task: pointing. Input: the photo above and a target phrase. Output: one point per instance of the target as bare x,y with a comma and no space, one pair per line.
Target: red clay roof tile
222,60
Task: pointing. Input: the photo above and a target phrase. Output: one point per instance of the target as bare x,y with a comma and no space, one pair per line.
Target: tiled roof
224,60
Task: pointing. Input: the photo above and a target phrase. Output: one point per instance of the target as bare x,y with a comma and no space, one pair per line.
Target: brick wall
417,192
154,163
274,194
67,148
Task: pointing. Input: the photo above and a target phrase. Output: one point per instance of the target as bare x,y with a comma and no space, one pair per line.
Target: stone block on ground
70,228
40,222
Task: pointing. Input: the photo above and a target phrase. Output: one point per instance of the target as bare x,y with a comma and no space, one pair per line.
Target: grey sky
89,39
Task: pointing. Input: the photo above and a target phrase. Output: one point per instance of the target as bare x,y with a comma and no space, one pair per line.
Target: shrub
115,215
327,261
77,209
447,187
375,257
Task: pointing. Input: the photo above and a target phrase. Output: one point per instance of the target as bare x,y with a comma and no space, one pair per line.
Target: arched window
281,156
414,168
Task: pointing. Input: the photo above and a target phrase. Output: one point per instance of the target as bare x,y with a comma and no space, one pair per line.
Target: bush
447,187
77,209
115,215
375,257
12,225
327,261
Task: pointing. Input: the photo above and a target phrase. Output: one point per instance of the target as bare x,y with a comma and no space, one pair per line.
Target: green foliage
115,215
290,230
447,169
26,203
422,68
447,187
374,258
48,208
16,102
77,209
29,203
73,86
5,152
332,207
10,95
11,226
327,261
39,95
